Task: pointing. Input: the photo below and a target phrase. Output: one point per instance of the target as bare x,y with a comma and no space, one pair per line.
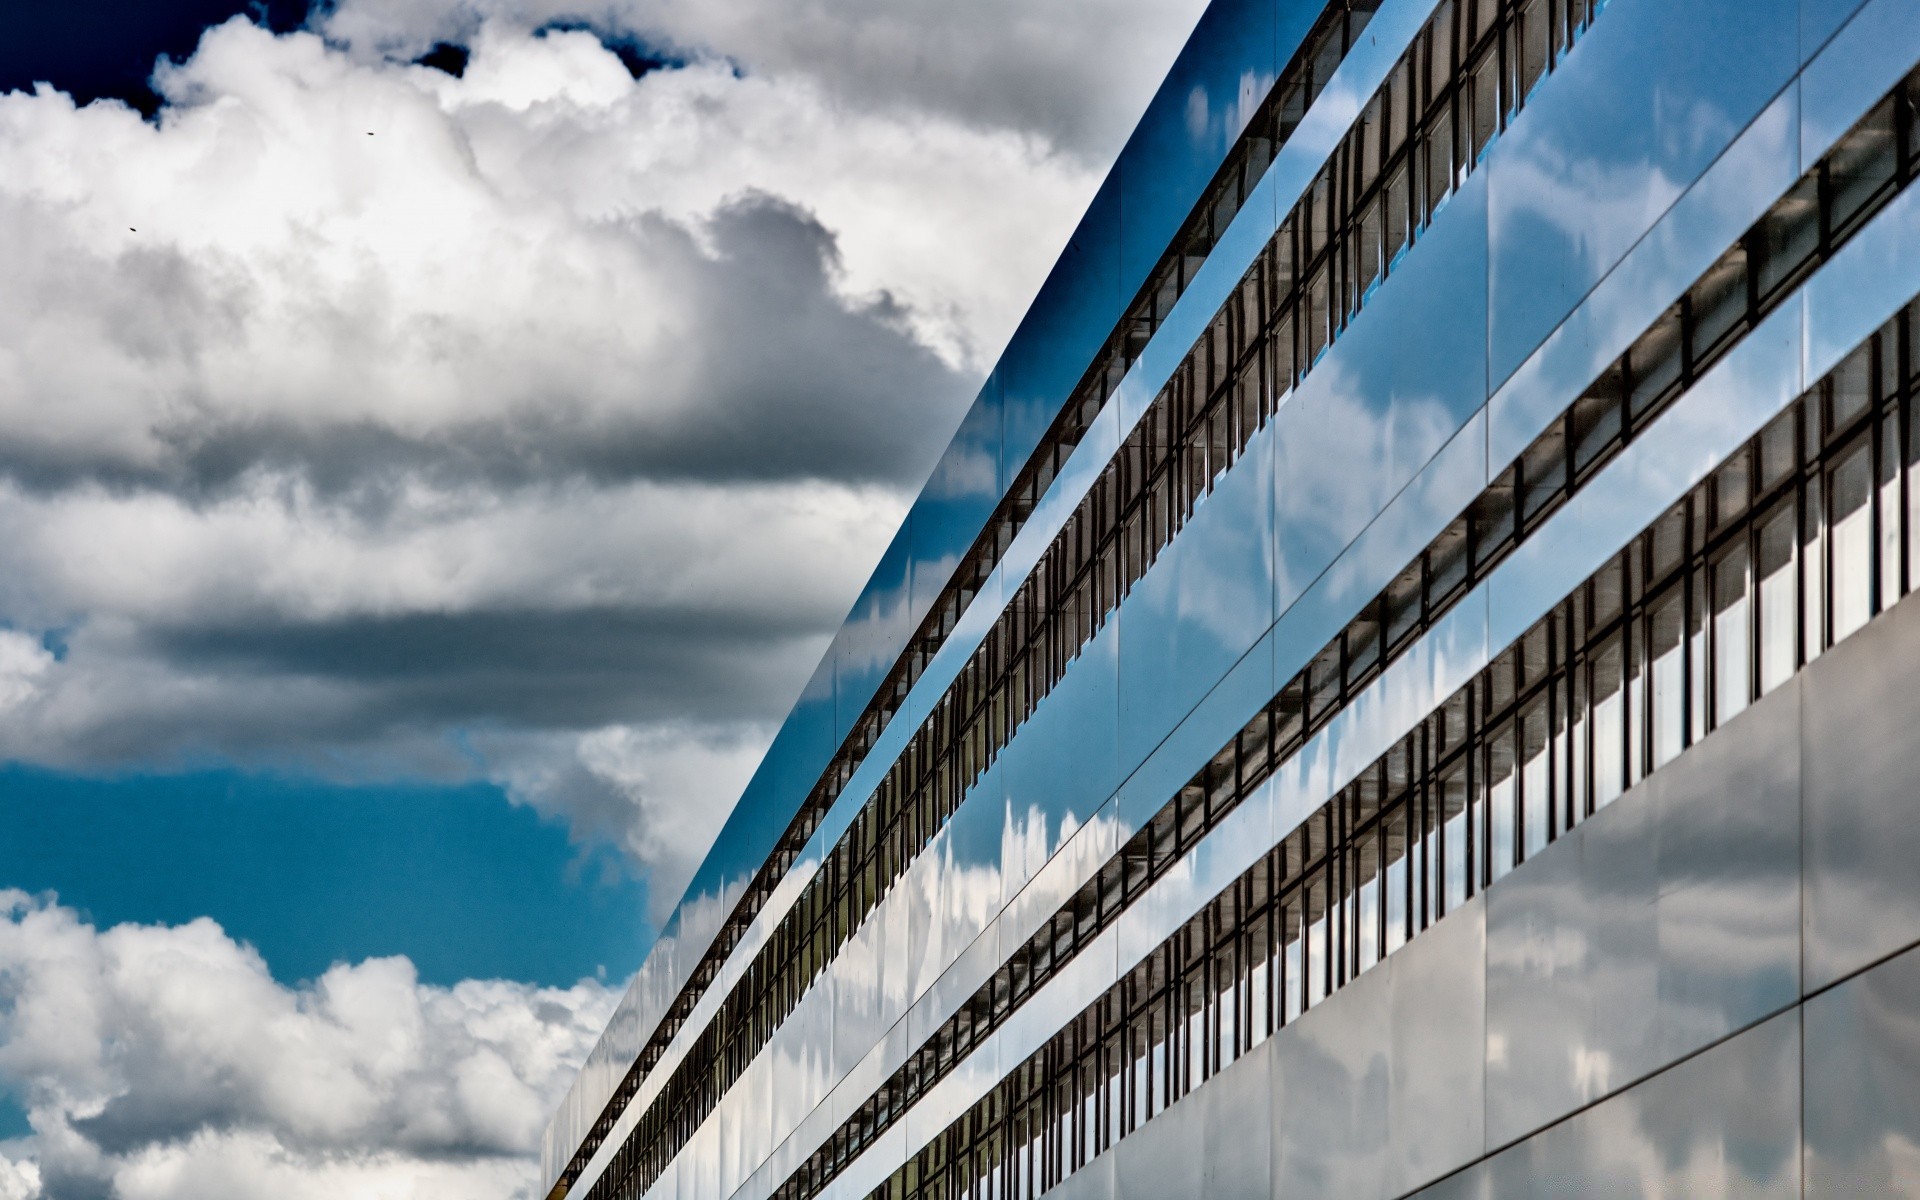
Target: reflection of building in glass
1423,696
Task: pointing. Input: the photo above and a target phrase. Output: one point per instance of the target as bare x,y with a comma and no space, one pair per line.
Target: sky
437,441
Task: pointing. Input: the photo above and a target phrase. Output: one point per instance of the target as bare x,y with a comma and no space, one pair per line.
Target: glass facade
1270,664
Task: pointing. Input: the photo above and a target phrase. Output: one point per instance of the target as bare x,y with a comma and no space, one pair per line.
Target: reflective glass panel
1776,590
1501,801
1732,633
1668,677
1849,489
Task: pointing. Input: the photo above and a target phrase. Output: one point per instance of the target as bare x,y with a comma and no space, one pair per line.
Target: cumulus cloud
535,424
1070,72
162,1062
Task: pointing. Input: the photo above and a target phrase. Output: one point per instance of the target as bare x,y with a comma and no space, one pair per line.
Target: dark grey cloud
769,375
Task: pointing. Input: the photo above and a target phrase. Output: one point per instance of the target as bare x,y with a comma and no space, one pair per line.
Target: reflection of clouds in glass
965,471
1210,123
1600,207
1347,444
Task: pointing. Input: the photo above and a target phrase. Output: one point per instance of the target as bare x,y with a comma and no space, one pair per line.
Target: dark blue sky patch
445,56
456,878
13,1119
105,49
639,58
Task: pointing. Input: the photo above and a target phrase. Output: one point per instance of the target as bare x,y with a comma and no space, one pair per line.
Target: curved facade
1398,682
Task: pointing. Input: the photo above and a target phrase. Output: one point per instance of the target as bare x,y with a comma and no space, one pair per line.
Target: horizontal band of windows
1692,334
1333,35
1795,542
1194,430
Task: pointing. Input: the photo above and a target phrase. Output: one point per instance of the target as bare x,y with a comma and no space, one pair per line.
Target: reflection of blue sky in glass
464,884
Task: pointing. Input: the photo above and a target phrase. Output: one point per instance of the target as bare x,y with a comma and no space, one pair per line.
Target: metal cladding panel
1332,1072
1641,107
1070,320
1385,398
869,643
1725,1123
1215,85
1061,766
1665,922
1862,891
1754,172
1818,21
1202,606
1862,1110
1875,47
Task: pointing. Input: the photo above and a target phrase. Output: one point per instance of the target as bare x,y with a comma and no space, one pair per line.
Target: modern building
1401,683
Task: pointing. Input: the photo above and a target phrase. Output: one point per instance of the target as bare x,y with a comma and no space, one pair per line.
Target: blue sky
464,883
422,494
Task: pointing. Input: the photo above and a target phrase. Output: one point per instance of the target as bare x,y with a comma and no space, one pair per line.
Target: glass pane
1403,605
1852,387
1366,914
1536,777
1439,49
1864,163
1813,570
1493,520
1366,261
1635,734
1609,722
1890,511
1665,652
1369,133
1398,865
1654,362
1730,490
1778,453
1718,302
1317,314
1575,806
1849,488
1732,634
1544,470
1912,458
1447,563
1439,150
1501,804
1395,226
1596,421
1317,960
1776,591
1452,799
1486,101
1323,683
1787,236
1282,356
1536,30
1698,666
1363,645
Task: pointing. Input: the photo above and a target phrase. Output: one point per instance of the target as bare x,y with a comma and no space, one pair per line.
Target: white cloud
19,1180
1073,72
162,1062
24,662
535,425
650,789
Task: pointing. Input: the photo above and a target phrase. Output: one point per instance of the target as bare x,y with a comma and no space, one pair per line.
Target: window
1849,488
1732,633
